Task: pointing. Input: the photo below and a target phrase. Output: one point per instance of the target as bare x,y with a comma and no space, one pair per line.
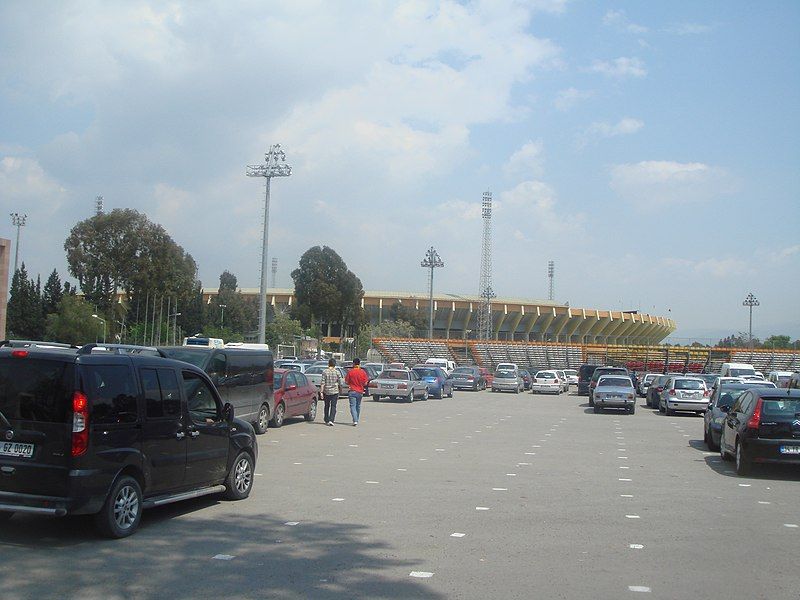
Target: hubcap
738,455
279,414
313,410
243,475
126,507
262,417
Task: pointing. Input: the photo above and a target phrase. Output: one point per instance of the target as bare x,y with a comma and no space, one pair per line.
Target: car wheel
376,398
722,453
450,393
743,462
410,397
596,409
122,510
660,407
705,437
710,443
239,482
262,422
312,411
425,395
280,413
632,409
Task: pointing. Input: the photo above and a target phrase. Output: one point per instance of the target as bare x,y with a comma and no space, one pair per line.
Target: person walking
357,380
330,387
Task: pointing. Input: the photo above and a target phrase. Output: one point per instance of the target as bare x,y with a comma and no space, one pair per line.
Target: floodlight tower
432,261
551,274
18,221
750,302
274,166
274,270
98,206
485,286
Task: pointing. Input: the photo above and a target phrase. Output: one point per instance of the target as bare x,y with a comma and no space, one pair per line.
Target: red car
295,396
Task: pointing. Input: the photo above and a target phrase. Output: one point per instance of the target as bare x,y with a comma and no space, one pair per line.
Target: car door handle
180,435
194,434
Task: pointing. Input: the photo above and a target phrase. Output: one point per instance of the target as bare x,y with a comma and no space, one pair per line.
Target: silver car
314,375
684,393
398,383
614,391
508,381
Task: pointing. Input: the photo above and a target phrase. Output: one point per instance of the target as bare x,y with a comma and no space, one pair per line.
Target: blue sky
649,148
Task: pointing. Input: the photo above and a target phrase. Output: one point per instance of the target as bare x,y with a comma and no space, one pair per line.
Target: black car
111,433
762,426
585,373
468,378
599,372
242,376
718,407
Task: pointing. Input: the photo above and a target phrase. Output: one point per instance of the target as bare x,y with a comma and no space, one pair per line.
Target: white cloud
535,203
654,183
718,268
620,67
527,161
619,20
26,188
566,99
688,28
602,129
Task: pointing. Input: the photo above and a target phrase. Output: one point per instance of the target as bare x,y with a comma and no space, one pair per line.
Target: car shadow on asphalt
766,472
258,555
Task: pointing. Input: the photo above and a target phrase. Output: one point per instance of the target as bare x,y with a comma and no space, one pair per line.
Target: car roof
778,393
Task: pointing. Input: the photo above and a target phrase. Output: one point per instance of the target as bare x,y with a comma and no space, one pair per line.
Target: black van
585,373
243,378
111,434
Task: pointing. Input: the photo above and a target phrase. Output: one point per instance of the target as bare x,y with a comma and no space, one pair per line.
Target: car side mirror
725,409
227,412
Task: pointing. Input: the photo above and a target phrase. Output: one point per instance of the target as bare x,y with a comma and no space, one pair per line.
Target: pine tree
25,319
53,292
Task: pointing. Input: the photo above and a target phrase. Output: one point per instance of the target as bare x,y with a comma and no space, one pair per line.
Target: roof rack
36,344
120,349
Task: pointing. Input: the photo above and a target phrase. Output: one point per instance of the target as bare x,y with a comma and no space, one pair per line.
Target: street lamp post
174,316
750,302
103,321
466,345
222,316
18,221
432,261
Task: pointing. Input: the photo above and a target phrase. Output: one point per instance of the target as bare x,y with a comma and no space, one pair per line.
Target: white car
546,382
564,381
684,393
572,376
780,378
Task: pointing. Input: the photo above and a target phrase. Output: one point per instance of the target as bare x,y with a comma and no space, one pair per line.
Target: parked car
564,381
439,385
295,396
724,380
468,378
614,391
572,376
682,393
546,382
762,426
398,383
112,434
600,371
314,375
644,383
444,364
585,373
507,381
526,378
708,378
780,378
488,376
242,377
654,390
506,367
736,369
722,399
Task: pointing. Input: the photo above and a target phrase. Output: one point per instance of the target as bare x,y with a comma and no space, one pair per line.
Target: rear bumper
461,384
546,387
614,402
87,491
692,405
583,389
769,451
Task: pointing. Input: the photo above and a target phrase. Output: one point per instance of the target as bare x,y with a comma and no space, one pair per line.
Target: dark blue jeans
355,405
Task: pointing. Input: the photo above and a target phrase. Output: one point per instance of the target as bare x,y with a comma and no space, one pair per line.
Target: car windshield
465,370
395,375
689,384
614,382
649,378
426,372
504,375
740,372
571,372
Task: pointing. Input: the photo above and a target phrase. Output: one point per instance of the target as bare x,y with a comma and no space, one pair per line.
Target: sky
650,149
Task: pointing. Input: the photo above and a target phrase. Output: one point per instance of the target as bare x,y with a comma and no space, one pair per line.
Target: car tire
122,510
710,443
312,411
632,409
660,408
410,397
376,397
722,453
425,396
743,462
596,409
278,417
239,481
450,393
262,421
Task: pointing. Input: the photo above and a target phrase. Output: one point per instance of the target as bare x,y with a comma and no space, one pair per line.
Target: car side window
291,379
113,394
161,393
203,407
737,407
301,380
217,366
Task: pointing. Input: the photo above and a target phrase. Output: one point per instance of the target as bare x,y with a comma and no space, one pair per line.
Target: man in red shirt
357,380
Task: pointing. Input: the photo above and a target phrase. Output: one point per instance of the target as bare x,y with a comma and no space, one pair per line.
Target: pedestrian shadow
173,555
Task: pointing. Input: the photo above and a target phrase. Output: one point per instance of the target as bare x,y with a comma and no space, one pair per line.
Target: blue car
439,385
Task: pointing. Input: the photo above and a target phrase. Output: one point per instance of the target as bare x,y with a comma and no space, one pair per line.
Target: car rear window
395,375
772,409
545,375
36,389
614,382
689,384
504,375
426,372
112,393
465,370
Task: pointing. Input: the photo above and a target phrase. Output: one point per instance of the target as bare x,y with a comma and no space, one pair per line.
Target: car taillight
755,420
671,392
470,378
80,423
402,386
19,353
630,396
707,393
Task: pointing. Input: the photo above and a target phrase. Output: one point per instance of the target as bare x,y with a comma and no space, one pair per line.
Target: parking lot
480,496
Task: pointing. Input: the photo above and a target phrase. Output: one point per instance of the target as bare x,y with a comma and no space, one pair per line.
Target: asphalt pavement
481,496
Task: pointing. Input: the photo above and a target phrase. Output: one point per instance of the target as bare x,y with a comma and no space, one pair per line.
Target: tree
778,342
239,313
53,292
73,323
282,330
400,312
326,291
740,340
24,316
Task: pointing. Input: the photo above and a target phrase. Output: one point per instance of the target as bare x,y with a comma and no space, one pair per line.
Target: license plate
790,449
16,449
388,386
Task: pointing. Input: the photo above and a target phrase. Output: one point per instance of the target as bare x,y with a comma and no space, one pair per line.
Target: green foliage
24,316
282,330
240,314
740,340
326,290
398,328
73,323
778,342
53,292
417,318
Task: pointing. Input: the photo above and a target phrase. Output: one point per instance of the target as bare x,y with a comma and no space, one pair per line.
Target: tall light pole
18,221
432,261
222,316
103,321
274,166
750,302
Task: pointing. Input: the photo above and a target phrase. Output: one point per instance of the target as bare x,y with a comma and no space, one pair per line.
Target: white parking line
763,502
635,546
457,535
530,453
372,482
790,525
223,557
481,508
626,495
638,588
632,517
421,574
402,469
337,499
745,485
626,479
499,489
292,523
